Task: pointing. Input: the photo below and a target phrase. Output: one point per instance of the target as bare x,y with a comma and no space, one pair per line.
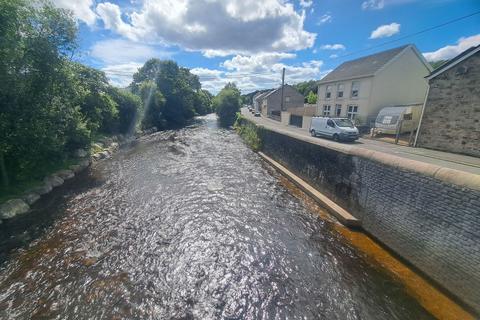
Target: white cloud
373,4
451,51
326,18
215,27
333,56
82,9
121,58
385,31
115,51
259,71
336,46
306,3
121,74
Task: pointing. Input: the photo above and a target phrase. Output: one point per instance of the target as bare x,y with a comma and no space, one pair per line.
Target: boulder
31,197
13,208
97,145
65,174
53,180
97,156
43,189
80,153
105,154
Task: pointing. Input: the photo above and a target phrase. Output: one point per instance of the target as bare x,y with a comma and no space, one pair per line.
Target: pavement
467,164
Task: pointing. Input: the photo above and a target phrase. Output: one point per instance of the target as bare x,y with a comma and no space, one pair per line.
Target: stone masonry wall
431,224
451,120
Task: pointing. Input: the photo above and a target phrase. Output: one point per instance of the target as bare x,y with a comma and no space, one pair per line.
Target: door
330,127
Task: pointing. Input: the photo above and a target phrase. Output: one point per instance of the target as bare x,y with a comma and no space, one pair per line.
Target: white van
339,129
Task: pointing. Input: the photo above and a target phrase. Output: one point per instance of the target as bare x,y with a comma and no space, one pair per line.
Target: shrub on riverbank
248,131
227,104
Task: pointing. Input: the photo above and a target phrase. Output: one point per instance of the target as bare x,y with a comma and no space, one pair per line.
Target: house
271,103
450,119
359,88
257,100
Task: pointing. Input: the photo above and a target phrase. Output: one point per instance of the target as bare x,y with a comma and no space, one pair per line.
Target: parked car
339,129
257,114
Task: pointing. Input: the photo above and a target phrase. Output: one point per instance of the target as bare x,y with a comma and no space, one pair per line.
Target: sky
249,42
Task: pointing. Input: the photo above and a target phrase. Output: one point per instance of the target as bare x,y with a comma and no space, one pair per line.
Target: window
330,123
355,88
352,112
338,110
340,88
328,92
326,110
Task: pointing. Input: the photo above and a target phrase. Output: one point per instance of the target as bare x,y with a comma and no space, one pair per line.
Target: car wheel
335,137
313,133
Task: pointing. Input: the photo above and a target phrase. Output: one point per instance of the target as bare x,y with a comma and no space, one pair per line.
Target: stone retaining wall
430,223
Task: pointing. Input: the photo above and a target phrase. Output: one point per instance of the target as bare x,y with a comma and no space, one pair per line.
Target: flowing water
186,224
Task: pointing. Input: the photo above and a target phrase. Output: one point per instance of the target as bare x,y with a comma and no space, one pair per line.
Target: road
439,158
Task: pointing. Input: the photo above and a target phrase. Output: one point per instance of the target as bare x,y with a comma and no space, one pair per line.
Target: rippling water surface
186,224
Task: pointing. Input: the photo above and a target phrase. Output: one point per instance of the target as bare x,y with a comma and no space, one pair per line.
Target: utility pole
283,83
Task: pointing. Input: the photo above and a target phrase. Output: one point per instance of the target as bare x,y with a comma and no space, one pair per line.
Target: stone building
451,114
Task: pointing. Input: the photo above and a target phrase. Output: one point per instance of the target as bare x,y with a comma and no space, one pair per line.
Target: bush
248,131
227,104
129,107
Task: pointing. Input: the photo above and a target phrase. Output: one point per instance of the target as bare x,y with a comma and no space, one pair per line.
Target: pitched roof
276,90
261,95
451,63
363,67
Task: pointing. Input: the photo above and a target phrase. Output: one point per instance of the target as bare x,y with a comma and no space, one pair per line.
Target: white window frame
326,110
340,91
355,90
352,111
328,92
338,110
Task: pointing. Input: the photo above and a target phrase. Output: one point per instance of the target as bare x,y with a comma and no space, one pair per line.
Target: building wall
362,101
274,101
401,82
451,119
432,224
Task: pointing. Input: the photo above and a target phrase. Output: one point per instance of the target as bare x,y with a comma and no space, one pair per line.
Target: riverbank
22,197
427,222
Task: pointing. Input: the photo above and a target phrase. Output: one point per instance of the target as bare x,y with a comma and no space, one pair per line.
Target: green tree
36,118
227,104
178,86
154,103
311,98
129,108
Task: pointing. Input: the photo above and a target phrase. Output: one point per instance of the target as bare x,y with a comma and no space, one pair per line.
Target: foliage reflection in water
190,224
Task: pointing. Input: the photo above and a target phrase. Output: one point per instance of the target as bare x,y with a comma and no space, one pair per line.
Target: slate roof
261,95
362,67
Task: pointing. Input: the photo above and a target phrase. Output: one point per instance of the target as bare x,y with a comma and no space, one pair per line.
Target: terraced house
359,88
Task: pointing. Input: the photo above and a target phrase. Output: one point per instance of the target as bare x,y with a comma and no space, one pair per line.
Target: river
187,224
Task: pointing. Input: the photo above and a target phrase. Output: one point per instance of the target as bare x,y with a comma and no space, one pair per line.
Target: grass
18,188
249,132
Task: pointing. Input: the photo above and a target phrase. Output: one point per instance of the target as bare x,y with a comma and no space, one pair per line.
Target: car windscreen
344,123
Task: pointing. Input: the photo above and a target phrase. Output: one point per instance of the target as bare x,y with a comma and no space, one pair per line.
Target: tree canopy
227,103
171,94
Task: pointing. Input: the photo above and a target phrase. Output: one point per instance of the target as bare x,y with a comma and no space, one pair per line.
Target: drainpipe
421,116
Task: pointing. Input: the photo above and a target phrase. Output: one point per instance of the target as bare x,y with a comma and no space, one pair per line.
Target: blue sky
250,41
